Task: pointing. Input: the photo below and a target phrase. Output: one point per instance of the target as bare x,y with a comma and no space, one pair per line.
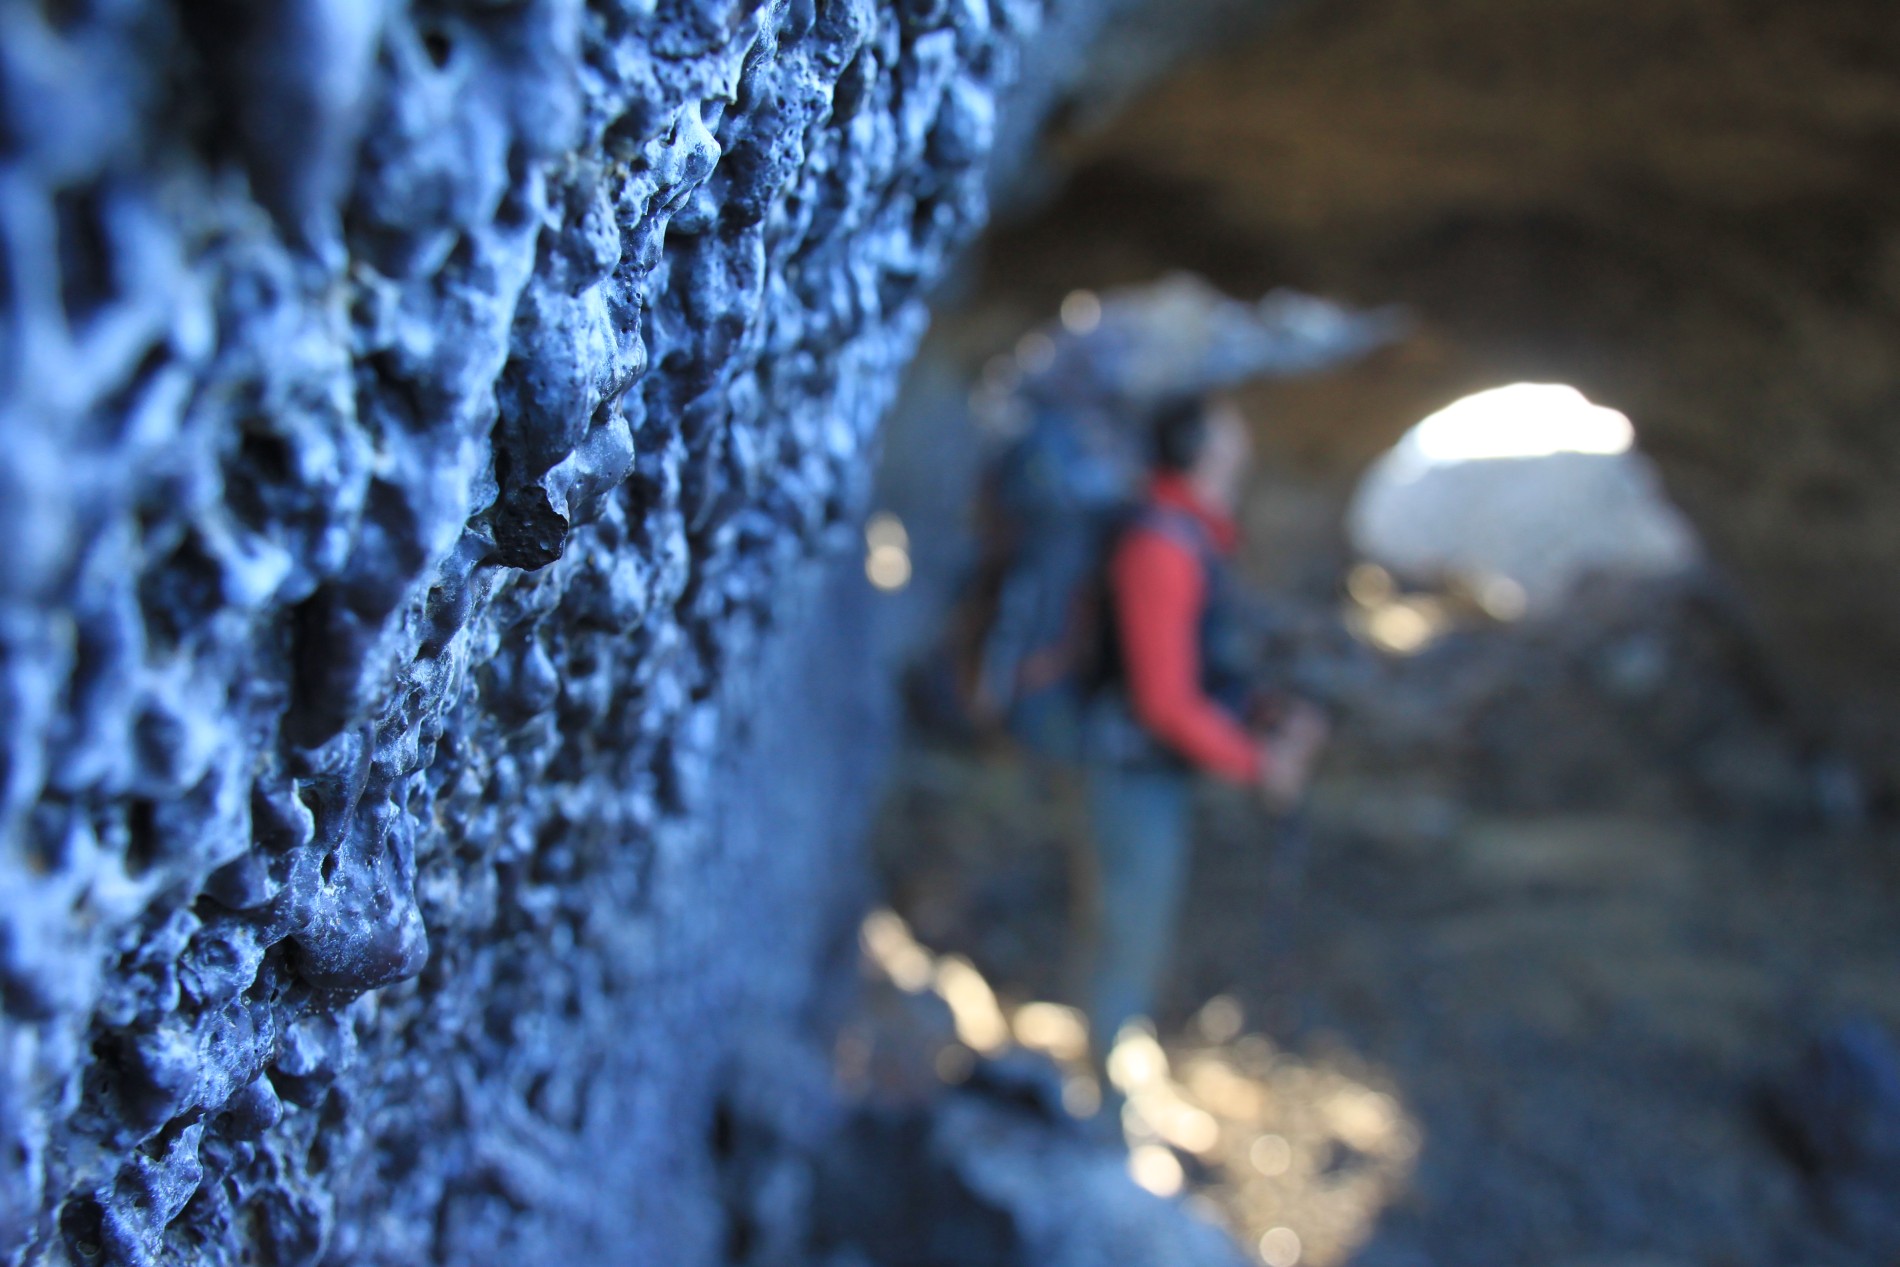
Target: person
1178,703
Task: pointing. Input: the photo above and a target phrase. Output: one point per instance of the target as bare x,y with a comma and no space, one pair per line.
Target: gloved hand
1289,753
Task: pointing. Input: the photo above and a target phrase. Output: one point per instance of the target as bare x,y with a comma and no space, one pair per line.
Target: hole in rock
438,45
143,843
82,1223
725,1136
178,592
87,281
264,462
1499,505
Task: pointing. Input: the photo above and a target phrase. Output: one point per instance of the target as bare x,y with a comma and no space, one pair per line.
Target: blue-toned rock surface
419,424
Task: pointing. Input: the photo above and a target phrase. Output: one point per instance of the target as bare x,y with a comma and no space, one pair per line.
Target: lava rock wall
418,420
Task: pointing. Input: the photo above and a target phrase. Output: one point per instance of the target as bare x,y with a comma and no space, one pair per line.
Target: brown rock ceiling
1690,209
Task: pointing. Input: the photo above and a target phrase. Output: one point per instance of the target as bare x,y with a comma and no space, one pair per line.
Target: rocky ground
1572,907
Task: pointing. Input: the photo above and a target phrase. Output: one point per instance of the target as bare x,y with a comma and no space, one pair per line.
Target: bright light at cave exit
1524,420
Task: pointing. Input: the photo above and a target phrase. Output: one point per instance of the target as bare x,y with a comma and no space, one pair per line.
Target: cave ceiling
1687,209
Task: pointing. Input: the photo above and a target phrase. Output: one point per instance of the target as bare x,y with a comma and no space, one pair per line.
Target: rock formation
423,424
418,418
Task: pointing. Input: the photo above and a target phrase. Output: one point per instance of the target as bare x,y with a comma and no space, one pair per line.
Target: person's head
1206,441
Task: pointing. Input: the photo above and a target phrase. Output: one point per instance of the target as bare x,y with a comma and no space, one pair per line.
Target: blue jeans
1139,819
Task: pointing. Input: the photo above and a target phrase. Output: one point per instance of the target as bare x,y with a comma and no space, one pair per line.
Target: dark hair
1178,432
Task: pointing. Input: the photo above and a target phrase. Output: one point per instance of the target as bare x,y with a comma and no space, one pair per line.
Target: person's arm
1159,591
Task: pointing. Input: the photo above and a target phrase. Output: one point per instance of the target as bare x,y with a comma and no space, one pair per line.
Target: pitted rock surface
417,419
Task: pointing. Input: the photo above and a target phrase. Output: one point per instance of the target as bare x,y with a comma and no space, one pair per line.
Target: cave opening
1504,505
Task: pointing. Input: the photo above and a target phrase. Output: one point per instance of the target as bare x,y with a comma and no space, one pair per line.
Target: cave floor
1454,1035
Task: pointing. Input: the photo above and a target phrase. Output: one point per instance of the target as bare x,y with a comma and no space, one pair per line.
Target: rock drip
416,418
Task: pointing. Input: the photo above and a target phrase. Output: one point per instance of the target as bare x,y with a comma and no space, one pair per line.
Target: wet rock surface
419,421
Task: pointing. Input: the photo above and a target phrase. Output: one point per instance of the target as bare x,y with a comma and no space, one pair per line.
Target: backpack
1027,630
1033,652
1028,627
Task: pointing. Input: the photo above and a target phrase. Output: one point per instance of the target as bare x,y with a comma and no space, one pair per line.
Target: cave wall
422,802
425,424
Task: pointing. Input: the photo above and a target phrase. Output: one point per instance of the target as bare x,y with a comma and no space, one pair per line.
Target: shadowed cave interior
1584,884
480,477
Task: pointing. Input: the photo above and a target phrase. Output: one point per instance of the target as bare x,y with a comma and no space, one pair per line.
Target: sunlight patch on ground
1295,1156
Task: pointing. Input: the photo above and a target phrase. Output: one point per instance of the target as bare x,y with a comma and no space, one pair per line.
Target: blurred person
1104,632
1178,697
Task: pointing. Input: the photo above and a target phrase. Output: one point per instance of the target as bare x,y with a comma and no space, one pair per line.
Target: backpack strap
1184,528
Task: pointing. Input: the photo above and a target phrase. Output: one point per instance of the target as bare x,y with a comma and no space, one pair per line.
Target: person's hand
1308,726
1288,755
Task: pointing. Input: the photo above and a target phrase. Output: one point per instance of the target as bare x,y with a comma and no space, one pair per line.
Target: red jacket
1160,593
